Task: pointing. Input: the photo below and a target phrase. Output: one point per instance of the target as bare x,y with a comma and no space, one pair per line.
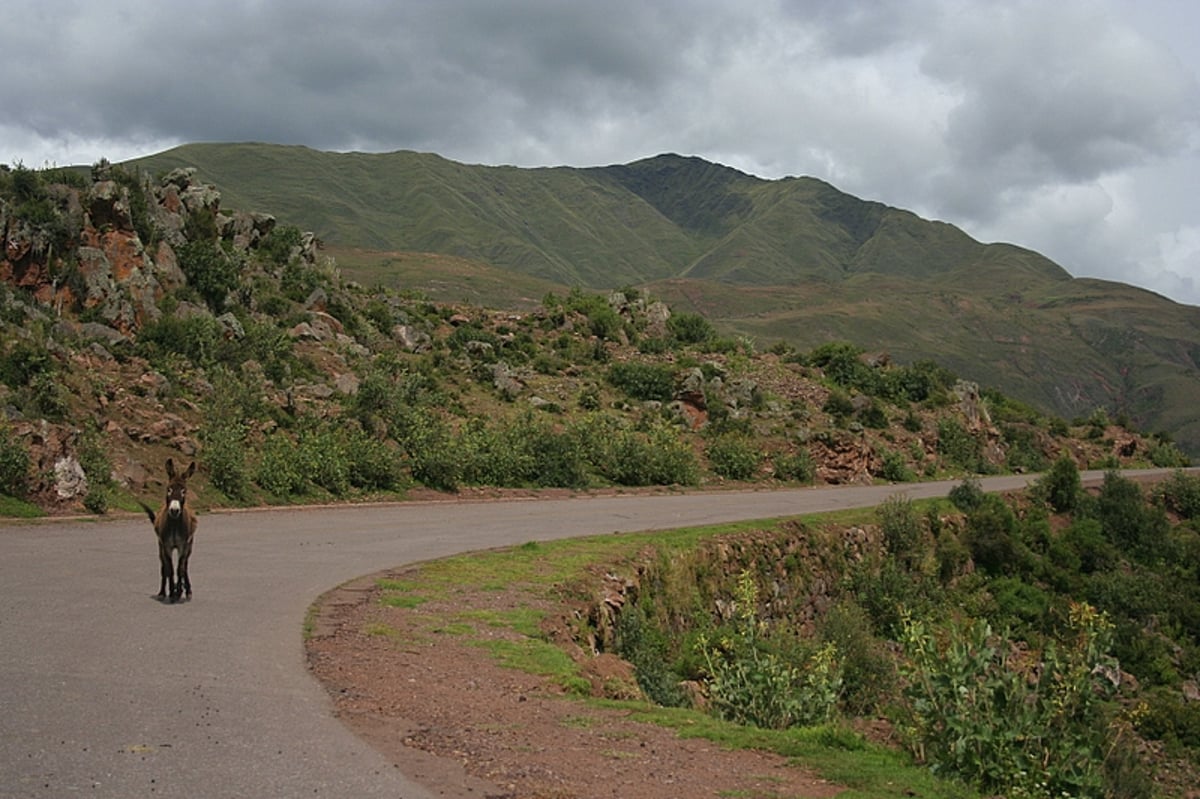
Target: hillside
141,320
792,260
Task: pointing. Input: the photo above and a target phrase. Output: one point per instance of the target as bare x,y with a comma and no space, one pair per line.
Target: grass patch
525,621
836,753
402,600
14,508
541,658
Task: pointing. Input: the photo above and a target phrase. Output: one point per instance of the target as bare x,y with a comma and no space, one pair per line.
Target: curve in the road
107,693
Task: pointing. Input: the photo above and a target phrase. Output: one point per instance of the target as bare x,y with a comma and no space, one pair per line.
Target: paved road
105,692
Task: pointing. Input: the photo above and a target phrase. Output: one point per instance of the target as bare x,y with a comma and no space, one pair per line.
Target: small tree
1061,486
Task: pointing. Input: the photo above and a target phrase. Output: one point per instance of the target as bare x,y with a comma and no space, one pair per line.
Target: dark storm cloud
1037,122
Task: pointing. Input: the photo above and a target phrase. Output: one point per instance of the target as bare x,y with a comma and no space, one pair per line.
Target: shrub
895,468
868,670
14,464
958,446
748,683
656,457
430,448
211,272
842,364
93,457
901,528
646,648
839,406
991,537
1130,523
795,466
1061,486
1165,455
967,495
733,457
643,381
973,709
691,328
374,464
1180,493
278,245
324,453
225,456
279,467
872,415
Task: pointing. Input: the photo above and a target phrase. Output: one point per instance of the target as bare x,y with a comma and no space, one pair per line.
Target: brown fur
176,531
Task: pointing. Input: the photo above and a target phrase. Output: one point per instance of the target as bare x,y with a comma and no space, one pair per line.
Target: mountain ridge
787,260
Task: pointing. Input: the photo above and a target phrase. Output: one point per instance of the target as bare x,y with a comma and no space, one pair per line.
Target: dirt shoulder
451,718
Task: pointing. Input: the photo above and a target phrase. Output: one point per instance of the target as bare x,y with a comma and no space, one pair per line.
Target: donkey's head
177,487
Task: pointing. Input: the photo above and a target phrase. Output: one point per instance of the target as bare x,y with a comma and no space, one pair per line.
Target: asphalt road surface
105,692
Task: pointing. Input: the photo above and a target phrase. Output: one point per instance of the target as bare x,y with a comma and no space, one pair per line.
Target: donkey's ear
191,469
170,468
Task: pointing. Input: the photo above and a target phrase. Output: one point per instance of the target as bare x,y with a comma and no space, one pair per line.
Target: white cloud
1068,127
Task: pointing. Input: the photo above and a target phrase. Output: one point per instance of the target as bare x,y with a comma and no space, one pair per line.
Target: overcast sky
1068,126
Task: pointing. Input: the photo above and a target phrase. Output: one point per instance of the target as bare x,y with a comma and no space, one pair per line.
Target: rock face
118,278
95,276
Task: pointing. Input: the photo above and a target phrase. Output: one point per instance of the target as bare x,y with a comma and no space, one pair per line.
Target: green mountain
791,260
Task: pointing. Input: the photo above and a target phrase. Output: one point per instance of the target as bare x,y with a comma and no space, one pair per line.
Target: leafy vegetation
1009,673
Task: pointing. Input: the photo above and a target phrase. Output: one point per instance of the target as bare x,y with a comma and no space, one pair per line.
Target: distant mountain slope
793,259
600,227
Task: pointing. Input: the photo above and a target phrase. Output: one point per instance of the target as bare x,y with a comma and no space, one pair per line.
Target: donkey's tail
148,509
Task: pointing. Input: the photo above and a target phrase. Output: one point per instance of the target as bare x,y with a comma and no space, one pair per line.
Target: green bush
658,456
324,453
428,443
903,535
895,469
14,464
97,467
279,467
210,271
750,683
868,670
225,457
1129,522
795,466
838,405
1061,486
842,364
958,446
640,643
1165,455
975,711
277,246
1180,493
991,535
643,381
1171,719
691,328
967,495
374,463
873,416
733,457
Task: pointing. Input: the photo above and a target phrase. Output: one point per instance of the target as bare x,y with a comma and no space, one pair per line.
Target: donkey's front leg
168,573
184,583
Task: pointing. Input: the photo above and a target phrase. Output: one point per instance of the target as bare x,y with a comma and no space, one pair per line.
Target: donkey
175,525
